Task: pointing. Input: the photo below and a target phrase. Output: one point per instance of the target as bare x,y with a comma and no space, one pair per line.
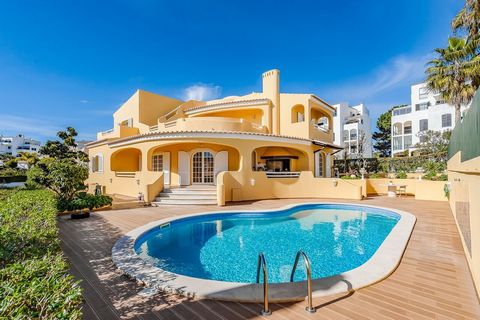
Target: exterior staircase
189,195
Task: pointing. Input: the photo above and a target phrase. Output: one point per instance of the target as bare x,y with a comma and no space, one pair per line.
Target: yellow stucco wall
240,158
129,159
465,204
255,115
152,106
421,189
242,186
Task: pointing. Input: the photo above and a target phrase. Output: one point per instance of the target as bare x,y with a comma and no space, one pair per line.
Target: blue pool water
225,246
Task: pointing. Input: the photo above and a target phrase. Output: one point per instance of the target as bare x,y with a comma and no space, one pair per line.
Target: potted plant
84,203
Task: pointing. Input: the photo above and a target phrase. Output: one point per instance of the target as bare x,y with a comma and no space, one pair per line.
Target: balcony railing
104,133
209,124
282,174
400,111
125,174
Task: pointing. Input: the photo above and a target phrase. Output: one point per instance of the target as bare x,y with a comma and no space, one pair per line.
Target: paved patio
432,281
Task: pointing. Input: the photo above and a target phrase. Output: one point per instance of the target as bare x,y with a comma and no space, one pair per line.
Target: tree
454,73
12,163
382,137
468,20
65,149
65,177
433,142
30,158
63,169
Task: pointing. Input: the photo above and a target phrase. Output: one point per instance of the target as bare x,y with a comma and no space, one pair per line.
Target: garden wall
464,177
241,186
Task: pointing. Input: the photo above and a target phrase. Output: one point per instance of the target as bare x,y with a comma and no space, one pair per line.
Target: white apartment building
352,130
427,111
12,145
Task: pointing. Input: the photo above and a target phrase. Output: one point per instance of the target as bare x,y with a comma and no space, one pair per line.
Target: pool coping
383,262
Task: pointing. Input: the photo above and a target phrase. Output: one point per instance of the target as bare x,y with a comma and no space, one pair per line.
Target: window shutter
100,162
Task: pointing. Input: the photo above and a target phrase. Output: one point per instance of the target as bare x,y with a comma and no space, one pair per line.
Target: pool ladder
309,307
262,263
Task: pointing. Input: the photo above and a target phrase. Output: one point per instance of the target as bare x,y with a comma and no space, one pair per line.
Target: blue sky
72,63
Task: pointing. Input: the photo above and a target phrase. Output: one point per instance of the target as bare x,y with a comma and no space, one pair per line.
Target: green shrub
84,201
39,289
12,172
387,164
377,175
34,282
443,177
401,175
5,193
28,226
350,177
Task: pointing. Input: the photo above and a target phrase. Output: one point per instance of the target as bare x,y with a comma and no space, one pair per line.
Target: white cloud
400,72
27,126
84,101
202,92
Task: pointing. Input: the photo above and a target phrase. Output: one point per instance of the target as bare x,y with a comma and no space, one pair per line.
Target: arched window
346,135
397,129
298,113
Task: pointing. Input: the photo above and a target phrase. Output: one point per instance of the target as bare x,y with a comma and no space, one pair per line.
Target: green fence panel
466,135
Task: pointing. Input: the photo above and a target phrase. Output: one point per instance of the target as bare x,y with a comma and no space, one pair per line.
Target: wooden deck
432,281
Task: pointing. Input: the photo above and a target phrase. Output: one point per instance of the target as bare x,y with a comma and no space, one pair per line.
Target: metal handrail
310,307
261,262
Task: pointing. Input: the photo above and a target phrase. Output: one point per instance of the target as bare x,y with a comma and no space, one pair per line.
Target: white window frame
157,162
97,163
446,116
420,125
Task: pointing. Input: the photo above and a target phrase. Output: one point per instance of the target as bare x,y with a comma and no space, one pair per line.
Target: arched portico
279,159
126,160
188,163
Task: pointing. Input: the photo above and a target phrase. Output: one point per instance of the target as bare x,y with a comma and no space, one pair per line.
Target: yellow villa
260,145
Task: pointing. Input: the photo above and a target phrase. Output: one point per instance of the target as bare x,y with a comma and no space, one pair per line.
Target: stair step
197,187
188,191
167,201
188,196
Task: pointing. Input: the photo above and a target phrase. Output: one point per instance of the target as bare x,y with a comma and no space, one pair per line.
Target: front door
202,165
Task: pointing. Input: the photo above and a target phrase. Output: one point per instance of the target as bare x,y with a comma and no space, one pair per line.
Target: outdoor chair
402,190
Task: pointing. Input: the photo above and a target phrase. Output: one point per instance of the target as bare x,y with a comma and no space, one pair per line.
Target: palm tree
468,19
454,73
30,157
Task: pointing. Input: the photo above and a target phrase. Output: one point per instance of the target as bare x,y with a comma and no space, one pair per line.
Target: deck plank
432,281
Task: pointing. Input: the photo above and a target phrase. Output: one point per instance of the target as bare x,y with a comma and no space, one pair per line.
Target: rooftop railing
402,110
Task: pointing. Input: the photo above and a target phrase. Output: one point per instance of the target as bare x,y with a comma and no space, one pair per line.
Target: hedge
13,179
390,165
34,279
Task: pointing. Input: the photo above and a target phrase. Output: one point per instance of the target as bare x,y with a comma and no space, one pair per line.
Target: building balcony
321,133
118,132
402,111
221,124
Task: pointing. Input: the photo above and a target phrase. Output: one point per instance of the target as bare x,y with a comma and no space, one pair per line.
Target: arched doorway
202,165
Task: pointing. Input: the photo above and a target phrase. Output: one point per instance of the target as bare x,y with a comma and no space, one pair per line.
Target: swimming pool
214,255
225,247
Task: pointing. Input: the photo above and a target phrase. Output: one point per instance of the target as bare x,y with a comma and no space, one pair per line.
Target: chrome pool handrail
261,262
310,307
